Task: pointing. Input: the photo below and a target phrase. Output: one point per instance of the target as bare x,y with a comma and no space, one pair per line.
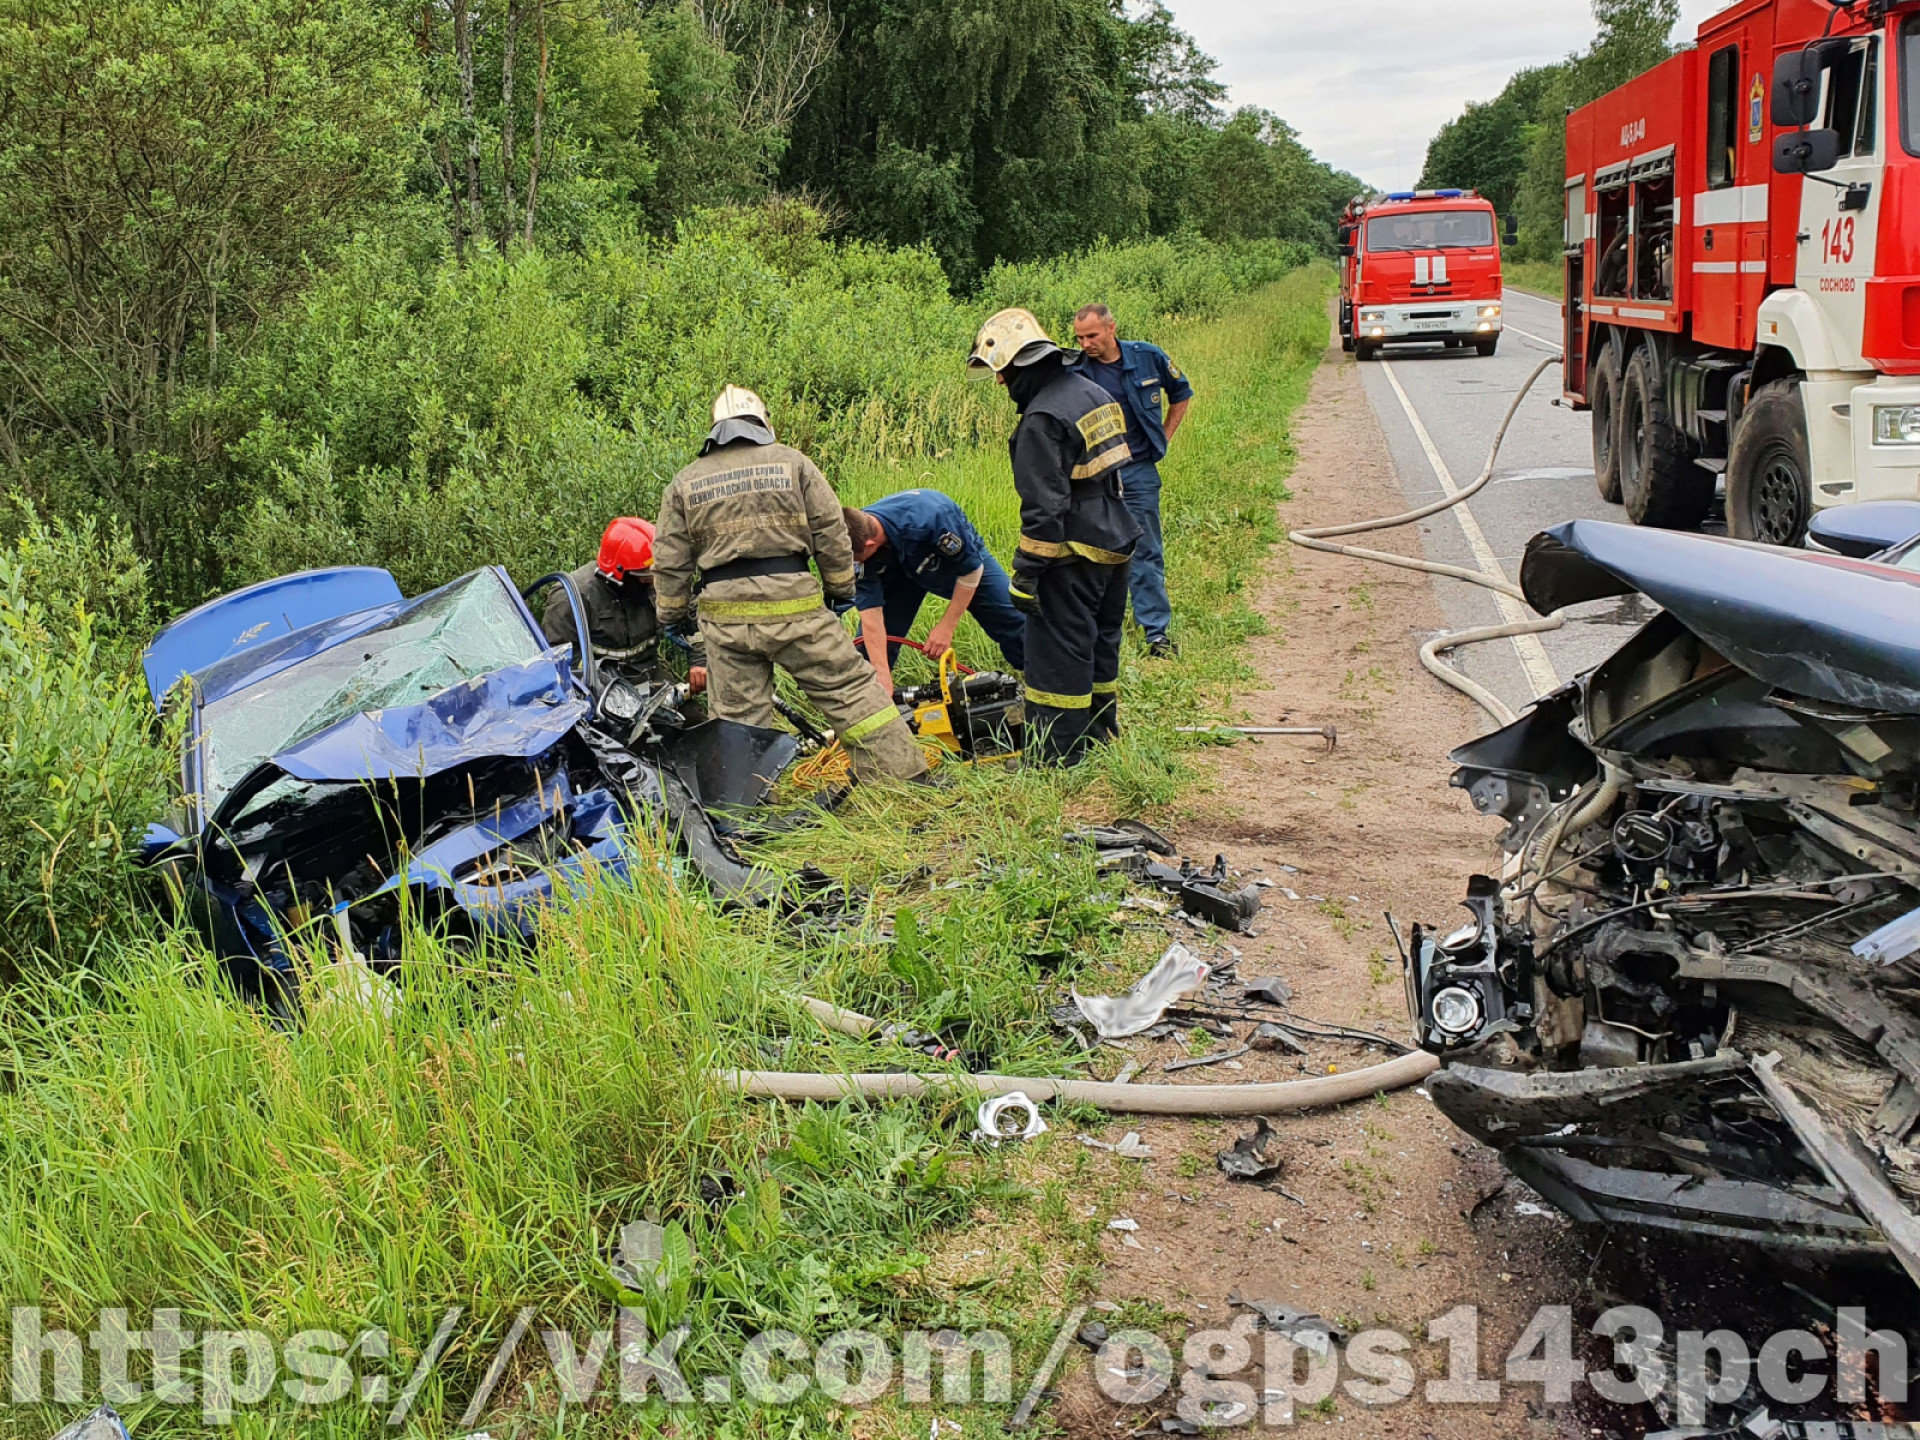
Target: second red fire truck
1742,251
1419,266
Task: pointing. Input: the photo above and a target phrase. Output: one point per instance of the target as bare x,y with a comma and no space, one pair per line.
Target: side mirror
1796,88
1346,249
1513,230
1805,152
1796,82
162,846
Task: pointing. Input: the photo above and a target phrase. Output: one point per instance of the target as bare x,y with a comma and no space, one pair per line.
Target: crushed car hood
1822,626
519,711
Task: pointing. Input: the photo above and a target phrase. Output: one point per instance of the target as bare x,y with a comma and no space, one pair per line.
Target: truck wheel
1486,347
1363,351
1603,399
1659,483
1770,473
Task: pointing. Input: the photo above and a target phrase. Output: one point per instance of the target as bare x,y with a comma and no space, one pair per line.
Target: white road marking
1553,345
1532,654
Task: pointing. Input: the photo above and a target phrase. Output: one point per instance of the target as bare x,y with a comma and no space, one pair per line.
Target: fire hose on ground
1321,538
1277,1098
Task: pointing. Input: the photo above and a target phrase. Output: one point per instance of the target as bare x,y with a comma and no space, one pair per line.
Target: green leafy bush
80,773
426,418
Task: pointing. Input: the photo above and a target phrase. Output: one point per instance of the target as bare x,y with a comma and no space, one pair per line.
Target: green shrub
427,418
80,773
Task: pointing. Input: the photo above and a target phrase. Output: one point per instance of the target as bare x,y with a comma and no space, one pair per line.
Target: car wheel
1659,483
1770,473
1487,347
1603,398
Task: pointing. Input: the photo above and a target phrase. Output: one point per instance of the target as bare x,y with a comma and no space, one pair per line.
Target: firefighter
1076,535
1137,374
744,519
616,592
919,543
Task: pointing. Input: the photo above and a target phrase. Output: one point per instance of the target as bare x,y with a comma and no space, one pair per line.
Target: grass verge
1542,277
163,1147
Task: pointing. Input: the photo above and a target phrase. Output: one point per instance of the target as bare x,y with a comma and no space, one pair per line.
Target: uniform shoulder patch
949,544
1173,369
1104,423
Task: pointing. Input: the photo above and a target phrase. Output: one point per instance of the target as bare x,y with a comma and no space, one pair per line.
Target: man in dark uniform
616,592
919,543
1138,375
1076,535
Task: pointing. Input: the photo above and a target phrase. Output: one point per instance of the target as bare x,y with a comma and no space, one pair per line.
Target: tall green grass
162,1144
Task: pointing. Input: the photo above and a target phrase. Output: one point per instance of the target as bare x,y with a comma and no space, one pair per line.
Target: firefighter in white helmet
745,519
1076,536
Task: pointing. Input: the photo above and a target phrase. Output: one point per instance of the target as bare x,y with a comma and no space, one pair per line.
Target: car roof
248,619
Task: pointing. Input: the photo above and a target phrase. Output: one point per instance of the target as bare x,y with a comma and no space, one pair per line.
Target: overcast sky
1367,82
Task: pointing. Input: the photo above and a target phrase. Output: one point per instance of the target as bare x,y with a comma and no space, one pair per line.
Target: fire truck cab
1742,253
1419,265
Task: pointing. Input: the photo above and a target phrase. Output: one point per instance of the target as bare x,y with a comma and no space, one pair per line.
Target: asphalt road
1445,405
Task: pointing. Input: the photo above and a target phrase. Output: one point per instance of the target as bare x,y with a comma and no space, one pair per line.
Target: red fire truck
1420,265
1742,231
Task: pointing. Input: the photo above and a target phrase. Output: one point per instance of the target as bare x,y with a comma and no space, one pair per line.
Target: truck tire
1363,351
1770,472
1659,483
1603,401
1486,347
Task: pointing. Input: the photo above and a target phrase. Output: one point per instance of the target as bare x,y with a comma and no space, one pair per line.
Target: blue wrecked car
352,758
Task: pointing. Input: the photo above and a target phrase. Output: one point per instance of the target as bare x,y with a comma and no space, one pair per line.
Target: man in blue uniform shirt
1137,375
919,543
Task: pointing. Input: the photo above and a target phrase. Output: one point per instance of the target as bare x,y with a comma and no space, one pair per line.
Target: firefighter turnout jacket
1076,537
747,518
1068,450
744,519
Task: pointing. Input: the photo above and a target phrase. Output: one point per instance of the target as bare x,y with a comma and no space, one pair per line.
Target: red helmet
627,546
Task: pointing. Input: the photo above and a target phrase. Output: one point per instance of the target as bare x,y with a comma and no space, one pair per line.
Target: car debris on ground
1178,974
1207,896
993,1129
1689,1003
1253,1156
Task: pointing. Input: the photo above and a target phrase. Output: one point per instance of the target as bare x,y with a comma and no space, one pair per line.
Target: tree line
180,175
1513,148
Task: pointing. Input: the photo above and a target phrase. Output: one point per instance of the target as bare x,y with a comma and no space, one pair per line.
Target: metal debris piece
1893,941
1272,989
1092,1335
1179,972
1304,1328
1213,1059
993,1131
1127,1148
1276,1037
1252,1156
101,1424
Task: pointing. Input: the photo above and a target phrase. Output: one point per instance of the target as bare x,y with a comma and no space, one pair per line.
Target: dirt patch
1391,1217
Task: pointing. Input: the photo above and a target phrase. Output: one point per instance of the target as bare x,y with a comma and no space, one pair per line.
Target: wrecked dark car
1691,1001
353,758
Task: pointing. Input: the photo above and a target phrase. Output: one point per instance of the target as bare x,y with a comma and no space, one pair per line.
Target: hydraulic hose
1321,537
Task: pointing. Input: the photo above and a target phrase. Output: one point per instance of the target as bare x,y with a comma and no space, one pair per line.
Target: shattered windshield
456,633
1431,230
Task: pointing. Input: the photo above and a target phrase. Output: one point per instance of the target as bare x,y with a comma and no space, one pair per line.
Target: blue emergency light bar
1426,195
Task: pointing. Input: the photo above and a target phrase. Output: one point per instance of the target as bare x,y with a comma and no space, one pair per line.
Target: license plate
1431,324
